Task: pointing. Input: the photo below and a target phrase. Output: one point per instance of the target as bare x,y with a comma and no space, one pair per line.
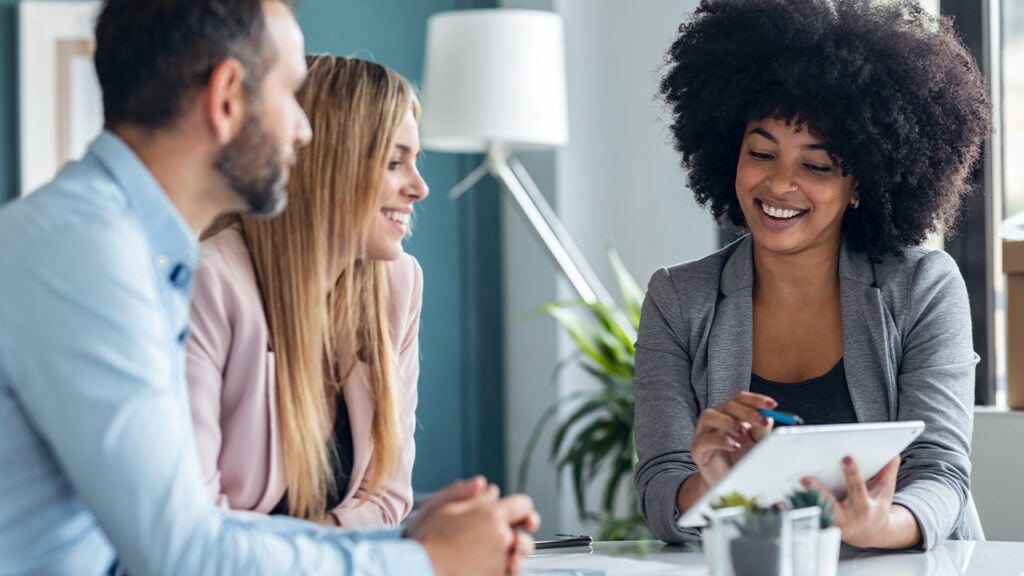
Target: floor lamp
494,83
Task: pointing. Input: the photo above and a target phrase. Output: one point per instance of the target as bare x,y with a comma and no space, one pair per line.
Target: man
98,466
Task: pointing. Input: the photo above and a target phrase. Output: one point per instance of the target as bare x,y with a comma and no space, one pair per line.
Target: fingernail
805,482
847,461
765,420
736,445
772,403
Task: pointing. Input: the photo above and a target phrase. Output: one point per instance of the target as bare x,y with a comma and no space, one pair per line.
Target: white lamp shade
494,76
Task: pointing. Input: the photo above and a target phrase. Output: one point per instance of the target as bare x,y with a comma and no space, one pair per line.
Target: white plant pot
720,561
829,540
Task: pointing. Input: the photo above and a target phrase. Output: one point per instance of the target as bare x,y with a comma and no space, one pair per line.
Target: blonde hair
355,108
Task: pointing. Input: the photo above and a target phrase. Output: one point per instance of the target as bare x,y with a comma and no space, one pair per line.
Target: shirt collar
173,243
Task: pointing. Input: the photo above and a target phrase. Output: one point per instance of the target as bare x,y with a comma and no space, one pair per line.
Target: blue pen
782,417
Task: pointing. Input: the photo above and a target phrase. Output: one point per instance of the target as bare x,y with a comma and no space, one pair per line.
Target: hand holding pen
726,432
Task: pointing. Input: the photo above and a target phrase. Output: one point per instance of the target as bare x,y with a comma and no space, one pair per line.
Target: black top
821,400
341,461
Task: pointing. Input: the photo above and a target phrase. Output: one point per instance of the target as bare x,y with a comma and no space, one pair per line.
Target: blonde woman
303,353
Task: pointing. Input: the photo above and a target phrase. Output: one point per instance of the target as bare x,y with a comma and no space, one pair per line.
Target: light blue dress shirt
97,455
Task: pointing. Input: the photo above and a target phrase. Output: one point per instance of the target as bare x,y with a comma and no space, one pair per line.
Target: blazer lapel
870,373
730,342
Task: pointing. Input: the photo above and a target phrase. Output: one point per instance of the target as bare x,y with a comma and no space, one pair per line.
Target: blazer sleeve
393,501
936,385
666,409
207,349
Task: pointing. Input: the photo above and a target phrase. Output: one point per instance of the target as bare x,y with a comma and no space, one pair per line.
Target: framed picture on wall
60,100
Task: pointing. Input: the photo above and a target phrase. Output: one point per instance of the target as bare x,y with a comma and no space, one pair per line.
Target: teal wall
459,429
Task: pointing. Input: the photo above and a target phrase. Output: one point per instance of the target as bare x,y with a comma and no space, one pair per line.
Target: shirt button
162,262
183,335
180,276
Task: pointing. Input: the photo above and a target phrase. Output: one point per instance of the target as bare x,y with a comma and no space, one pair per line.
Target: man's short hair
152,56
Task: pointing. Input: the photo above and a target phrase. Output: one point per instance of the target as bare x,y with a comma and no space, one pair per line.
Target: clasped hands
866,514
467,528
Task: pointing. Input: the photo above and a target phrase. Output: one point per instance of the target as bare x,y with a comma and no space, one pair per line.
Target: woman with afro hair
838,134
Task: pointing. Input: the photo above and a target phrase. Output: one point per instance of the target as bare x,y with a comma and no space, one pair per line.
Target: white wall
620,179
619,182
998,467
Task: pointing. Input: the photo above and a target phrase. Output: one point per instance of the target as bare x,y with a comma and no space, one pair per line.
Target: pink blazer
233,397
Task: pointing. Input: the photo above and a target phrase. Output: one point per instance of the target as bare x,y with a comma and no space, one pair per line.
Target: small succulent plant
807,497
762,522
758,521
733,499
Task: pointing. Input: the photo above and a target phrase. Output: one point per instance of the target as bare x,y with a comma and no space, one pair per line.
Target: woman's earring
855,203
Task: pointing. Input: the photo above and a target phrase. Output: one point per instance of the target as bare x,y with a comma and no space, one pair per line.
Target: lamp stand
542,219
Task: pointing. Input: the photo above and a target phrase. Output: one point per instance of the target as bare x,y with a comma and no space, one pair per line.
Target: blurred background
490,360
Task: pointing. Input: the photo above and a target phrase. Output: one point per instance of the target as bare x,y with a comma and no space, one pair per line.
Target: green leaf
538,429
577,480
619,385
581,412
612,321
588,340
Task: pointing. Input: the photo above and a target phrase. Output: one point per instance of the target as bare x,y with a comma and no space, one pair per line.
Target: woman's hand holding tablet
790,456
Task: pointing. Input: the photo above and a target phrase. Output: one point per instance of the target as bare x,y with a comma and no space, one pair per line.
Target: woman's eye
821,169
394,164
759,155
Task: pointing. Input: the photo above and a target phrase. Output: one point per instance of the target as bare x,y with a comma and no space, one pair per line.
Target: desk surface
948,559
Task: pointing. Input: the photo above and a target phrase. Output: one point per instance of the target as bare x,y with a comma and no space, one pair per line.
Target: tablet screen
775,466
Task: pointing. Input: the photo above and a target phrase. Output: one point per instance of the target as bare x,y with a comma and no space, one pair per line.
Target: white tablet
775,466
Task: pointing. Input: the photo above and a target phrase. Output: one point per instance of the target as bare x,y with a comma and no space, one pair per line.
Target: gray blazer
907,351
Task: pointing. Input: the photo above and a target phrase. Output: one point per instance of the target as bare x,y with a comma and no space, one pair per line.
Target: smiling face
401,187
792,193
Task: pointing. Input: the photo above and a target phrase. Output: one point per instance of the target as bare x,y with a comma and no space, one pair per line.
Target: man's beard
254,168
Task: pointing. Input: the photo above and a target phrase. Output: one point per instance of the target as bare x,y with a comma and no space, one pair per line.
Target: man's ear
226,101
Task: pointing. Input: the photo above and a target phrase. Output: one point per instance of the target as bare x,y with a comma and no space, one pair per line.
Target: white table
651,557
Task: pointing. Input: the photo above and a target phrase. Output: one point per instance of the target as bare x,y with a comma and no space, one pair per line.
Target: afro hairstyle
889,89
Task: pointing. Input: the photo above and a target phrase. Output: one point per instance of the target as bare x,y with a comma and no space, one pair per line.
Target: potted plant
795,537
597,435
757,550
722,528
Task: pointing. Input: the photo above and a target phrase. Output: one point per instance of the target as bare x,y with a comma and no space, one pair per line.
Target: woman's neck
806,277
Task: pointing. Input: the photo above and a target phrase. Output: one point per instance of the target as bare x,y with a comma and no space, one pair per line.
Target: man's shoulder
71,223
81,198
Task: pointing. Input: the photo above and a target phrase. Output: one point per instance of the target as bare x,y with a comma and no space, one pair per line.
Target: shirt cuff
919,503
661,508
384,533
